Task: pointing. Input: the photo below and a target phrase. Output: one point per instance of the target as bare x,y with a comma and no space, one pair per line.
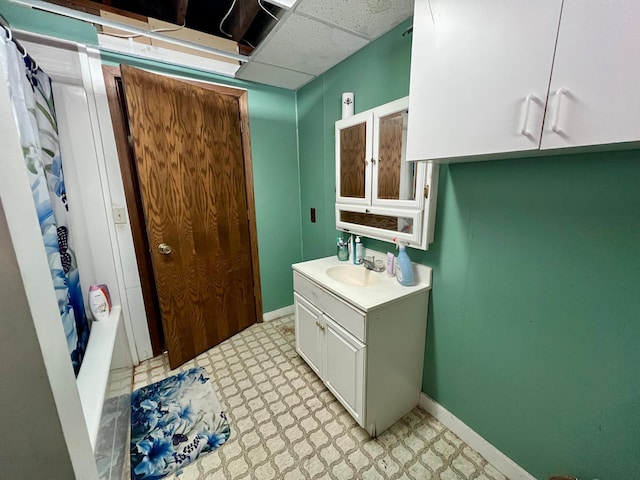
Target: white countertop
364,297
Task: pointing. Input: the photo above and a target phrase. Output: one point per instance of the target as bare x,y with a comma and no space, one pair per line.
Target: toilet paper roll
347,104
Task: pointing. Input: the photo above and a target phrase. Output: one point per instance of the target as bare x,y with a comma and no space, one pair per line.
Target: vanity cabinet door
344,374
480,75
309,334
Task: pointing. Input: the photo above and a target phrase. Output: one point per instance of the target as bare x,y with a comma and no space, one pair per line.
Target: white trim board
160,54
281,312
508,467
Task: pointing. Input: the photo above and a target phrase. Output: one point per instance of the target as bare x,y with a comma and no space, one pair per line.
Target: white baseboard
508,467
281,312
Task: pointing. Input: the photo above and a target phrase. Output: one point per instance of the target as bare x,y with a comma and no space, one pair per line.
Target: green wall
272,118
534,320
319,105
44,23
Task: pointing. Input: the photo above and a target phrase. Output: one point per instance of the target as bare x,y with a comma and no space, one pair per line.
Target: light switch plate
119,215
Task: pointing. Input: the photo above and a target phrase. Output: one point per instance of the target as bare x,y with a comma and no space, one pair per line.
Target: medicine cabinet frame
362,206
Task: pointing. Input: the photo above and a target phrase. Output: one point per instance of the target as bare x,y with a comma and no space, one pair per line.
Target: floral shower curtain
34,112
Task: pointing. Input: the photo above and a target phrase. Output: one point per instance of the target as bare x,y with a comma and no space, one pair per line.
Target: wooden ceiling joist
94,8
237,23
241,18
181,11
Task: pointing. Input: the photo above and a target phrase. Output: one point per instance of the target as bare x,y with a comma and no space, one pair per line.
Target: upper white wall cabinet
514,76
378,193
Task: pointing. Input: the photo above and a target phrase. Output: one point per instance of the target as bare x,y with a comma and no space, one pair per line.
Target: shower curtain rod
23,51
105,22
5,24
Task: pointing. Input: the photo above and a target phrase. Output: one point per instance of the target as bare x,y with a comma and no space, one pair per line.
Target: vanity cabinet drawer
343,314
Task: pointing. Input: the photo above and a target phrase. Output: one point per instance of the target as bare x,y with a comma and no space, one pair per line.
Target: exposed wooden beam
181,11
94,8
241,17
245,49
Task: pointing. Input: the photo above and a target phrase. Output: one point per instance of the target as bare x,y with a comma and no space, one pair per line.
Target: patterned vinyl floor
286,425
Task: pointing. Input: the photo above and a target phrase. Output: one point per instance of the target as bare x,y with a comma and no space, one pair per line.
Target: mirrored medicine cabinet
378,193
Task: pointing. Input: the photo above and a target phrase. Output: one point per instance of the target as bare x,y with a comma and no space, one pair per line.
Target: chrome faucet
368,264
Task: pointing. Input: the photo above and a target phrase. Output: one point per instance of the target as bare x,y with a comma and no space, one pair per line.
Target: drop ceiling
314,35
289,42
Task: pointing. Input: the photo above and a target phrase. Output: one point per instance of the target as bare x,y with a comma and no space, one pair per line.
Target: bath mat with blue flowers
173,422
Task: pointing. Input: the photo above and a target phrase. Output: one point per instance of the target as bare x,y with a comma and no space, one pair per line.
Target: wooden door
188,148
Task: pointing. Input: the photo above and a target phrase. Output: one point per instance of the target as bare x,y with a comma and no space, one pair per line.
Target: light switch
119,215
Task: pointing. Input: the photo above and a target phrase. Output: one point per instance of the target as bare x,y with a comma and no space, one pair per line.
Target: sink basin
354,275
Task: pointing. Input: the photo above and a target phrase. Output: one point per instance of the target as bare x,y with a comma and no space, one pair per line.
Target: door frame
112,76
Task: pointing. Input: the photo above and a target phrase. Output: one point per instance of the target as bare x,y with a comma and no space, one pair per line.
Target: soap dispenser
359,251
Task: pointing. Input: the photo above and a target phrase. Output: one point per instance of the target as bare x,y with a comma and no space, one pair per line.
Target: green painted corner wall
534,316
272,118
44,23
319,106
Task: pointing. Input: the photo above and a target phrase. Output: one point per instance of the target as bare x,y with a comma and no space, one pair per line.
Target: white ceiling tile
369,18
305,45
272,75
282,3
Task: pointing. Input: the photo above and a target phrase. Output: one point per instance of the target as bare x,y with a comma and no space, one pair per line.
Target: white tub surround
94,374
32,336
365,342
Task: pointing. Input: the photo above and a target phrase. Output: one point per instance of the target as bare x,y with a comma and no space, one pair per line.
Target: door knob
164,249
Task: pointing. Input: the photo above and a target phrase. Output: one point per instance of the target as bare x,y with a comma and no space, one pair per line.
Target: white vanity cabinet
484,73
369,354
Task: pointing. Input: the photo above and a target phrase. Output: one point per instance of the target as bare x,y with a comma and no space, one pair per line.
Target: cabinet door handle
556,118
527,109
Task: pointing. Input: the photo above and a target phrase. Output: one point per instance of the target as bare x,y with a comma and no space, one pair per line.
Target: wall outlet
119,215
